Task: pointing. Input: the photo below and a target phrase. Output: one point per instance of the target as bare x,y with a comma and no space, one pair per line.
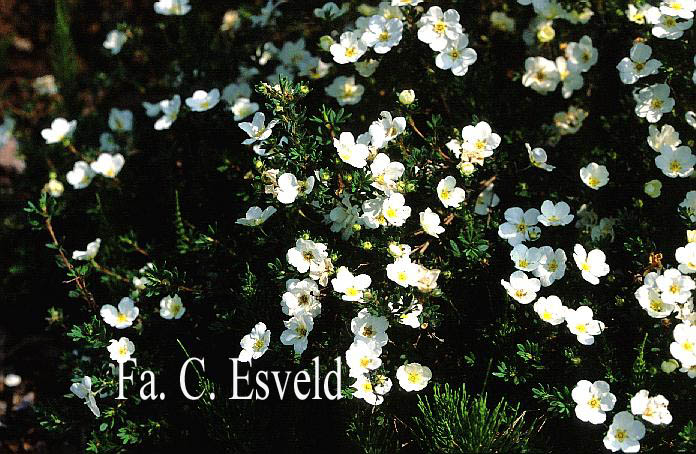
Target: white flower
331,11
235,91
592,265
652,409
552,265
666,136
89,253
650,299
394,209
115,39
348,49
345,90
61,130
344,217
202,100
521,288
572,78
538,158
409,315
437,28
550,309
667,26
405,2
486,200
170,108
122,317
382,34
108,165
427,279
518,223
683,9
676,162
243,107
638,65
593,400
151,109
255,216
171,307
301,297
675,287
80,176
362,357
637,15
594,175
524,258
413,376
366,68
255,344
581,323
553,215
256,130
430,223
686,256
684,346
289,187
478,142
449,194
404,272
352,287
386,129
541,75
370,329
385,173
689,204
307,254
581,55
172,7
351,152
120,120
83,390
456,56
296,331
366,391
653,101
690,115
624,433
120,350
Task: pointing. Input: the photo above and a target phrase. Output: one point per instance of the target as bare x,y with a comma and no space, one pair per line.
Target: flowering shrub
498,195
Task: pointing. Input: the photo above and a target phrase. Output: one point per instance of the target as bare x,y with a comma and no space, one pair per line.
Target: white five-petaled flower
257,129
386,129
351,152
307,255
553,215
83,390
550,309
572,78
552,265
348,49
666,136
521,287
524,258
395,210
81,175
296,331
202,100
538,158
653,101
675,287
665,25
369,328
108,165
518,223
385,173
404,272
114,41
594,175
624,433
684,346
456,56
301,296
430,223
172,7
170,110
650,299
120,120
243,107
449,194
382,34
345,90
638,65
352,287
592,265
686,256
478,142
437,28
676,162
362,357
581,323
61,130
171,307
683,9
581,55
652,409
541,75
593,401
413,376
289,187
255,216
121,317
89,253
120,350
255,344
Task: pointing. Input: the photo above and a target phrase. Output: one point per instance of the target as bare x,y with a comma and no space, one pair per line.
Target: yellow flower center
364,362
121,317
675,166
585,266
301,331
688,346
581,328
440,27
307,255
351,51
553,266
674,288
413,377
594,402
402,276
639,66
123,350
352,291
546,315
621,435
384,36
656,305
368,331
391,212
656,103
523,263
258,345
520,293
593,181
521,227
367,386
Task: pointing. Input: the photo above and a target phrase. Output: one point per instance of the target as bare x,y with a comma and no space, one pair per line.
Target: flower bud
652,188
546,33
406,97
325,42
54,188
669,366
